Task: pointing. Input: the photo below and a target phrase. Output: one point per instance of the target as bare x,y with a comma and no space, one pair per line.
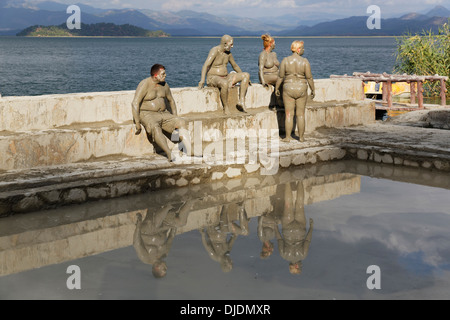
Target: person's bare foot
287,139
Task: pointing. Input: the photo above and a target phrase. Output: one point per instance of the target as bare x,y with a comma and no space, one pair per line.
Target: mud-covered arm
309,78
136,104
260,227
207,244
170,238
281,76
138,243
308,238
261,63
208,62
231,242
234,64
171,100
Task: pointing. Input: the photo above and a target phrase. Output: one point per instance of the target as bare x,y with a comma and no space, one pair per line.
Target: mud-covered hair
267,40
155,69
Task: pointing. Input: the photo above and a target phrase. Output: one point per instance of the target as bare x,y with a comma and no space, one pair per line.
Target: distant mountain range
18,15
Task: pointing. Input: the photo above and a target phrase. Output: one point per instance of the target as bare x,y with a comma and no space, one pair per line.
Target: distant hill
90,30
181,23
356,26
439,11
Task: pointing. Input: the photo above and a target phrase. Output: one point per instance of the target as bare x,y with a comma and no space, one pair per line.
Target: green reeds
425,54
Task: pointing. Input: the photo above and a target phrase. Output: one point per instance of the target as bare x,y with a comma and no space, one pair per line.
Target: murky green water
215,240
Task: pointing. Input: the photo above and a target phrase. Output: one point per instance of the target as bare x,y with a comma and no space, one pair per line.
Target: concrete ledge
53,111
88,141
335,114
69,184
53,147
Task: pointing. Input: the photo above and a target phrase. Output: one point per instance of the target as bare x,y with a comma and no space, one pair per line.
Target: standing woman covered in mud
295,74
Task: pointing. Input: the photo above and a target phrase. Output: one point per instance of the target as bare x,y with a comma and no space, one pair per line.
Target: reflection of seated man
149,109
267,226
216,238
154,235
216,73
294,243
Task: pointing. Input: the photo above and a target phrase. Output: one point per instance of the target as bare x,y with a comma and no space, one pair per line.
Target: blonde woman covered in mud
295,75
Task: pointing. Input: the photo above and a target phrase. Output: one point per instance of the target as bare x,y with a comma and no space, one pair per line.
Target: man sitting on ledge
216,73
149,109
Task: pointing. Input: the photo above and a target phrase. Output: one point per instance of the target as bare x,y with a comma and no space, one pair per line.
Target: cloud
306,9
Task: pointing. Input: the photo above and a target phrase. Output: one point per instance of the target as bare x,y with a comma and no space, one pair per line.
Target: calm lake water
36,66
360,220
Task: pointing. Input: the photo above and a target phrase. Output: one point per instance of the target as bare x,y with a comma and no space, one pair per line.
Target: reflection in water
155,233
267,226
219,239
253,227
293,241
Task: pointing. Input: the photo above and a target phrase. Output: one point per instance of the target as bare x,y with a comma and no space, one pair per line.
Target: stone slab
59,110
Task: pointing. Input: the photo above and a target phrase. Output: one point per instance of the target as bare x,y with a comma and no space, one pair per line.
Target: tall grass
425,54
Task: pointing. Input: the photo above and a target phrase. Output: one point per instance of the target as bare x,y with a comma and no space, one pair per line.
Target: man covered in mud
149,109
216,73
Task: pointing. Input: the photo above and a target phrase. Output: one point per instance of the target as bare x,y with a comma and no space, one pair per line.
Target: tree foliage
425,54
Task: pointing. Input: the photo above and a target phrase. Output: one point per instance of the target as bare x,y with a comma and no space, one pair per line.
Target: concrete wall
68,128
59,110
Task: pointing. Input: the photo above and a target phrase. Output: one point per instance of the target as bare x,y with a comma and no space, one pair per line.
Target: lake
361,221
37,66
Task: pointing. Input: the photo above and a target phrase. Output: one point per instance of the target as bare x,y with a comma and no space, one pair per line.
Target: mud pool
363,215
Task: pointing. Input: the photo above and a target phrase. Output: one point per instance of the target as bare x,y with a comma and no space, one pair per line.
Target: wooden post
389,93
363,93
420,93
412,86
383,92
443,90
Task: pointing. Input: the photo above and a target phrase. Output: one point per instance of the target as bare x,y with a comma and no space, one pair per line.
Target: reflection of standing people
295,74
219,239
267,226
154,235
216,73
293,241
268,62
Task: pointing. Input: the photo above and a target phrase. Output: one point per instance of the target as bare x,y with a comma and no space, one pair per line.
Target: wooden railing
415,82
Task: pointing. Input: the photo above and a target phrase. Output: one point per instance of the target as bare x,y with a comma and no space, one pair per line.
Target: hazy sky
262,8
